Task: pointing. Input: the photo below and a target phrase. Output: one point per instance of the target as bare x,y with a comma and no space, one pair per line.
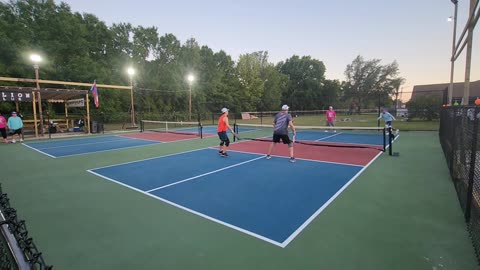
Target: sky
415,33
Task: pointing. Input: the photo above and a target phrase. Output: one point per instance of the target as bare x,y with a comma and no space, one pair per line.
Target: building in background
441,91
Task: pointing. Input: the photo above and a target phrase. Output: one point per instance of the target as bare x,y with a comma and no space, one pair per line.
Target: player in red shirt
223,126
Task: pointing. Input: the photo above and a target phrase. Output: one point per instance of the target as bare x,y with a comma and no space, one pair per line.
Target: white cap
224,110
331,108
285,107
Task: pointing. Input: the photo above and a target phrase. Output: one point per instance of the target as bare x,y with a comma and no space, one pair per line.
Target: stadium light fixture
35,58
131,72
190,79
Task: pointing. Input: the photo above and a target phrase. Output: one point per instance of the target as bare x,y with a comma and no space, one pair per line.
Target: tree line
81,47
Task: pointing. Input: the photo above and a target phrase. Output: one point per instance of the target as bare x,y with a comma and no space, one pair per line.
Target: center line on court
201,175
329,136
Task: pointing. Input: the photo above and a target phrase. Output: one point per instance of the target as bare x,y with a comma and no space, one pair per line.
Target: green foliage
424,107
80,47
306,83
369,83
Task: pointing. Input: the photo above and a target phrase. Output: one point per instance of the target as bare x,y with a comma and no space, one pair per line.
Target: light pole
452,60
131,72
190,79
37,59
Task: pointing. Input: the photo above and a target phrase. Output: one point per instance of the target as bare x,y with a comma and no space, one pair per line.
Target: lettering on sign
16,96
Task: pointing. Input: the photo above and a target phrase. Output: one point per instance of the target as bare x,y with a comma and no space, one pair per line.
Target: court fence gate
460,142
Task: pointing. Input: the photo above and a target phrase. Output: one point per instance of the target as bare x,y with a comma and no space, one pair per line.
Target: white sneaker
334,131
21,140
13,141
397,131
268,157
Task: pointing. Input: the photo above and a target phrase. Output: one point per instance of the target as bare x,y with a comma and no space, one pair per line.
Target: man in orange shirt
222,132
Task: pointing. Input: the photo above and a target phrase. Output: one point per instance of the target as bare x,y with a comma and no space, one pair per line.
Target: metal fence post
473,156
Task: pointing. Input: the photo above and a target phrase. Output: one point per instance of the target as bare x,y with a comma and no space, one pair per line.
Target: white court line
201,175
122,148
309,220
81,144
108,150
328,137
35,149
306,159
145,159
192,211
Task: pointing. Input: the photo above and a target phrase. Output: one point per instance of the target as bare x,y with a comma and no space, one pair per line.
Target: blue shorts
389,123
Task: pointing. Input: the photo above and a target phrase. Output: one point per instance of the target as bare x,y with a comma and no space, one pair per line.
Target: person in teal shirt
15,123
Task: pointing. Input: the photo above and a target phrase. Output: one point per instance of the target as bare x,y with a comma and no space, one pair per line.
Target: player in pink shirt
331,115
3,127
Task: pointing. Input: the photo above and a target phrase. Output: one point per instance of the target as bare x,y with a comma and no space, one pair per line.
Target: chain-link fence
461,142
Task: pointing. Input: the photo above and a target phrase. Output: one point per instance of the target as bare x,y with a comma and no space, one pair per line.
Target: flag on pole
95,93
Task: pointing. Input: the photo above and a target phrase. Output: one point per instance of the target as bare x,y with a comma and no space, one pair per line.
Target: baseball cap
285,107
14,112
224,110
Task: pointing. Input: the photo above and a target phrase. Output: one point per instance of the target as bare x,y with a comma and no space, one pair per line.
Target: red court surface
164,136
354,156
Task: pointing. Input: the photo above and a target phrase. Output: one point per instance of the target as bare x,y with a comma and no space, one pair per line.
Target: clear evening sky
415,33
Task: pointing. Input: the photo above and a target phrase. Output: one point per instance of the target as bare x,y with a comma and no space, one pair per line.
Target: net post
390,135
235,128
384,139
200,127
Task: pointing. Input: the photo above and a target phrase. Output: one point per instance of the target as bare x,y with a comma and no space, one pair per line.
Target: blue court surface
209,130
73,147
272,200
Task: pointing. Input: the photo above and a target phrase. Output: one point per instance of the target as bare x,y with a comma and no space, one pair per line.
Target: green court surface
400,213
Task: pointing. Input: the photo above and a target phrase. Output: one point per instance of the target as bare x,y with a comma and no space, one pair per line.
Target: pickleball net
348,137
182,128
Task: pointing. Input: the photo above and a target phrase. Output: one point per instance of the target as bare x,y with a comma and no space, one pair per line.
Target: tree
306,78
251,83
425,107
368,82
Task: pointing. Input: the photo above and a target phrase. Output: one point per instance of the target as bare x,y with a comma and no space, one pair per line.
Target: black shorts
16,131
223,136
4,132
285,139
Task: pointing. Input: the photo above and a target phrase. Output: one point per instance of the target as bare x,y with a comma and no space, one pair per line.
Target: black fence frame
28,256
460,143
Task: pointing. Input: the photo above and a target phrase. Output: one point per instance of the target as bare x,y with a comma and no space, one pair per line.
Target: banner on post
74,103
